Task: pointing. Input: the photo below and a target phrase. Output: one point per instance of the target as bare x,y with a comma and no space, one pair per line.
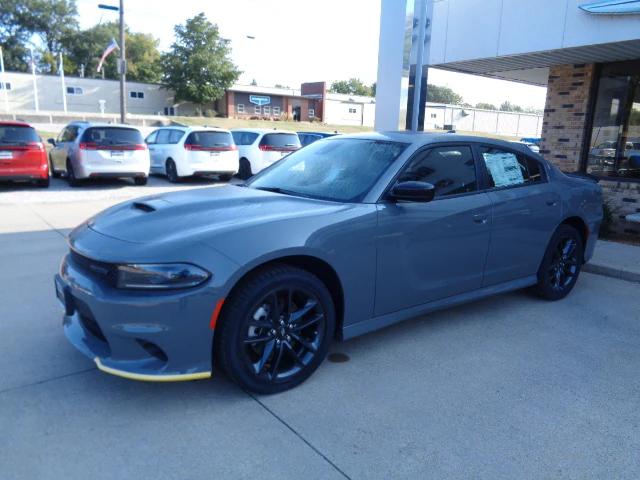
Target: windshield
112,136
341,170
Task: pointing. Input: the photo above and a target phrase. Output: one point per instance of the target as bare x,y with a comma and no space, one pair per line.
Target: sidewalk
617,260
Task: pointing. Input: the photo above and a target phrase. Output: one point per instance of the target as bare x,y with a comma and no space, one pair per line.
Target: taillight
38,146
95,146
271,148
88,146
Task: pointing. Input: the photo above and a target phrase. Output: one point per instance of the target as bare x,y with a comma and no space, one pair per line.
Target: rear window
210,139
112,136
244,138
17,134
280,140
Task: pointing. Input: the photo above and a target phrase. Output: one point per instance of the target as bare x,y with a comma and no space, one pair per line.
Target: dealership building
587,54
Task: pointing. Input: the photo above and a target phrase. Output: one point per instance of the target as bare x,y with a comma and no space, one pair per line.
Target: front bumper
151,336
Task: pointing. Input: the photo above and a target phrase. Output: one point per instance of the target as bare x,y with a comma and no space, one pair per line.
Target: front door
526,212
429,251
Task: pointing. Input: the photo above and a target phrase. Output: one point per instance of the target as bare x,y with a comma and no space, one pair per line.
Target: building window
240,108
5,85
257,110
614,148
169,111
267,110
353,110
139,95
434,115
312,113
276,111
75,91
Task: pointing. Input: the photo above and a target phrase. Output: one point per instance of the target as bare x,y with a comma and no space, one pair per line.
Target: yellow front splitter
151,378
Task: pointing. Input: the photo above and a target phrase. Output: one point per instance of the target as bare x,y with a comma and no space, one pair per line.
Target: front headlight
162,276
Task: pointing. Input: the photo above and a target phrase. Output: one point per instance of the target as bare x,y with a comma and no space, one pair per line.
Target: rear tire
561,264
43,183
140,181
71,176
244,172
275,329
172,171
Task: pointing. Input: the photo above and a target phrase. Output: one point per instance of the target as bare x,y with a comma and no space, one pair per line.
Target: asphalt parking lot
508,387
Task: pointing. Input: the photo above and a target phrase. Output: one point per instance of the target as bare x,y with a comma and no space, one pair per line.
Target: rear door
153,150
274,146
209,148
429,251
116,146
21,151
60,152
526,211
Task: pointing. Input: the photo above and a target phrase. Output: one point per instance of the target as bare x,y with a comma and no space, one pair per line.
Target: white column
64,88
35,82
3,80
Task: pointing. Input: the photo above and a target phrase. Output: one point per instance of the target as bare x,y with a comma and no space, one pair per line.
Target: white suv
179,152
97,150
261,147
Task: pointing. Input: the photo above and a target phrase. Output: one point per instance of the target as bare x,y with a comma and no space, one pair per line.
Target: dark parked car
307,138
342,237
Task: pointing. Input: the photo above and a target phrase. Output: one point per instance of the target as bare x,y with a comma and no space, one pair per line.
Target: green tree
23,21
486,106
374,88
507,106
439,94
86,48
198,67
353,86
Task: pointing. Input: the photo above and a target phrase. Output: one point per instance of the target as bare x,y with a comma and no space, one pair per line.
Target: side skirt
382,321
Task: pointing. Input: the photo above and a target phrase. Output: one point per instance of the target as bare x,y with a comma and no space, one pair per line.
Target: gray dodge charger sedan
348,235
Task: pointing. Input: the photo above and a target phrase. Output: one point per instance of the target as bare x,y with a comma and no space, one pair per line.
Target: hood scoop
145,207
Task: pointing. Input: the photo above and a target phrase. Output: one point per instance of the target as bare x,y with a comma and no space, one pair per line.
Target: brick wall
565,112
563,132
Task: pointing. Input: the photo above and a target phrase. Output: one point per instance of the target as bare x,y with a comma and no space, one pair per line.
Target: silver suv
86,150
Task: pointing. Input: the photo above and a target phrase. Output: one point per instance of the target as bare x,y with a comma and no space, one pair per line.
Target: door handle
551,203
481,219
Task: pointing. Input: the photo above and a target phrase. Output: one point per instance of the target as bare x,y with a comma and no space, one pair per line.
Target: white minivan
85,150
261,147
179,152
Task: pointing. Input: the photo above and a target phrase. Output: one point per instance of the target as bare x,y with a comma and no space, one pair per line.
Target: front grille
106,272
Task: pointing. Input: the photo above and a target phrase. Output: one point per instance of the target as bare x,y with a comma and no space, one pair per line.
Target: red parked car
22,154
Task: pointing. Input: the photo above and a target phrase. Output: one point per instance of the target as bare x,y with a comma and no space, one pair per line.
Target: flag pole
64,88
3,80
35,83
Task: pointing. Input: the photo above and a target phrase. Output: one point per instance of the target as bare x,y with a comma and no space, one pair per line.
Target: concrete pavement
508,387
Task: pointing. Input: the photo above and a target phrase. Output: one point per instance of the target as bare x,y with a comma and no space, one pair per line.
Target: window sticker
504,168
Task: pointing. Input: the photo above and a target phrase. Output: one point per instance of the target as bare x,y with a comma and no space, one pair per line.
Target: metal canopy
530,67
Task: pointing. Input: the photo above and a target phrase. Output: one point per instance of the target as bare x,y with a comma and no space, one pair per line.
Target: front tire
225,177
140,181
275,329
561,264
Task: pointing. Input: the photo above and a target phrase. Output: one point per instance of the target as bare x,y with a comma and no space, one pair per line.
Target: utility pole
123,68
122,62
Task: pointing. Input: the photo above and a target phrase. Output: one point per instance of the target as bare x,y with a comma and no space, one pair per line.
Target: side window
175,136
450,169
62,135
69,134
507,169
163,136
151,139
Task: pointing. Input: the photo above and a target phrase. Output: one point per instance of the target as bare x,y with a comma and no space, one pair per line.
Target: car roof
262,130
425,138
14,123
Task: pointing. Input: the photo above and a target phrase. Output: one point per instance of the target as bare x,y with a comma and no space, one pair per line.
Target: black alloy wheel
244,171
276,330
561,265
172,171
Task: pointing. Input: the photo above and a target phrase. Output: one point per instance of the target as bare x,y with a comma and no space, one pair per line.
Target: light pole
122,62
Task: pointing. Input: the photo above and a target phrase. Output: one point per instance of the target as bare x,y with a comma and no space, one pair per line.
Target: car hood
196,214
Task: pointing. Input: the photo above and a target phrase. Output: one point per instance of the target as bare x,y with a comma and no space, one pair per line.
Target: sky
299,41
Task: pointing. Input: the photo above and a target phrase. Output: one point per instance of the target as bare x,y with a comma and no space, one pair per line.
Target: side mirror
413,191
51,141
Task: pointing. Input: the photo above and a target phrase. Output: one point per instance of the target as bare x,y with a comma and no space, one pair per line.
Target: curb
612,272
